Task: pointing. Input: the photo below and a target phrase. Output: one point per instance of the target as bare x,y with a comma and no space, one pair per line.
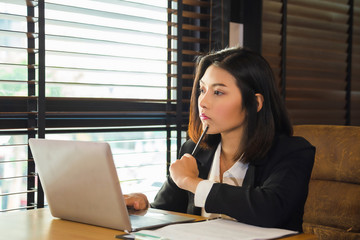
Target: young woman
249,168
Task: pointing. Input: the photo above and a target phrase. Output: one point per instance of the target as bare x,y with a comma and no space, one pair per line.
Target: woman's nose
203,100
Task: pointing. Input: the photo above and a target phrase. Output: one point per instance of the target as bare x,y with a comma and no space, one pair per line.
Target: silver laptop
81,184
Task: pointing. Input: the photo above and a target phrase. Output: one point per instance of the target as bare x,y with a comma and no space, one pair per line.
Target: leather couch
332,209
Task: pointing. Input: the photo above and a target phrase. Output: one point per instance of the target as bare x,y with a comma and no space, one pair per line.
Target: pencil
201,137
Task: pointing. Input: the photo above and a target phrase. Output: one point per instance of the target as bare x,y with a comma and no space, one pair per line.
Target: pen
139,236
201,137
145,236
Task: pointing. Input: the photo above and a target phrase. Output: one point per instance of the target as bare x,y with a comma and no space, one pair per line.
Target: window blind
101,60
311,62
105,79
115,71
17,103
190,28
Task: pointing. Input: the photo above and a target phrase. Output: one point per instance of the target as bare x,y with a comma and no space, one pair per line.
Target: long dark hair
253,75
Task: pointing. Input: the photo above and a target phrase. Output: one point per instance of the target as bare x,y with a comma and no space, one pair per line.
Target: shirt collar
233,176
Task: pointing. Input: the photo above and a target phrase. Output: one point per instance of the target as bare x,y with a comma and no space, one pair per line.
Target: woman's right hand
137,201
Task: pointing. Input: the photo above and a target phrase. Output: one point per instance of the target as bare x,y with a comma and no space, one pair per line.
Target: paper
217,229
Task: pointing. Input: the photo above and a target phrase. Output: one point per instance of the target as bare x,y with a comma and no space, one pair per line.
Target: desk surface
39,224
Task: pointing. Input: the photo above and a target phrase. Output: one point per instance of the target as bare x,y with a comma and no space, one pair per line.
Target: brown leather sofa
332,209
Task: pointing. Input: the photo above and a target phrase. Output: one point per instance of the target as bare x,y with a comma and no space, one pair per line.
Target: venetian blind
89,70
190,25
18,47
311,62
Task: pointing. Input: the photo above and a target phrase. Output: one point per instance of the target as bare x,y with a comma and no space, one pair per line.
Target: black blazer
273,193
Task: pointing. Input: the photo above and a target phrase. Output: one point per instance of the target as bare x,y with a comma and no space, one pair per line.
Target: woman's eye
201,90
218,93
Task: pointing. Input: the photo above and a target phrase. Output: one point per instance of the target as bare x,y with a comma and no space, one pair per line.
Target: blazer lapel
249,179
205,159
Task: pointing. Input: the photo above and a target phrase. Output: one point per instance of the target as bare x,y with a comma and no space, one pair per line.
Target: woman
250,167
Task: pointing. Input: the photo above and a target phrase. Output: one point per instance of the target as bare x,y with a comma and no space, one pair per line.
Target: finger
138,201
188,156
136,205
129,201
140,205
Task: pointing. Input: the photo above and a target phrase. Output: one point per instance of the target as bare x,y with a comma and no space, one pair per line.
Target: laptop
81,184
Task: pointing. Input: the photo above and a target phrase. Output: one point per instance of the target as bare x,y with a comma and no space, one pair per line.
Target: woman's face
220,102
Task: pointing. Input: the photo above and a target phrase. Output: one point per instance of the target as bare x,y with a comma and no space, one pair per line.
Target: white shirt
233,176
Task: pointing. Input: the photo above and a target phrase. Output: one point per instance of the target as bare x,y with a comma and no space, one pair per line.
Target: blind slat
316,24
323,5
334,95
318,14
316,44
297,82
295,72
79,8
314,104
318,65
316,34
195,3
110,27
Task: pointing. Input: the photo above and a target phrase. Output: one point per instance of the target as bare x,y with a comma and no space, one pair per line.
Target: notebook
81,184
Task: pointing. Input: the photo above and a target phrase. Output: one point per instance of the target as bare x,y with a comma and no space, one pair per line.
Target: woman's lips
204,117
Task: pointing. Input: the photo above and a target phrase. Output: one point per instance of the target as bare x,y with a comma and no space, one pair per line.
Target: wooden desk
40,225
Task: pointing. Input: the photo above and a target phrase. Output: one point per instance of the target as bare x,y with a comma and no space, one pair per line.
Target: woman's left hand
137,201
184,172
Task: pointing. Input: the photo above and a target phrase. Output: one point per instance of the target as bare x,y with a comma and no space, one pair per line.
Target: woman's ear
260,101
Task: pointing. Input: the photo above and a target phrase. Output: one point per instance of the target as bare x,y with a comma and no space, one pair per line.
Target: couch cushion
334,204
332,209
337,151
329,233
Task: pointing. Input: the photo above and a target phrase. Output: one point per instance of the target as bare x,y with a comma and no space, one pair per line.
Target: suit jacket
273,193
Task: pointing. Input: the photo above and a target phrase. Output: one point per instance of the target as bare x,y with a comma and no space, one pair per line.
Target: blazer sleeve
170,197
280,190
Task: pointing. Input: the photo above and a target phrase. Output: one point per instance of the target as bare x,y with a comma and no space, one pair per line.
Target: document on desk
214,229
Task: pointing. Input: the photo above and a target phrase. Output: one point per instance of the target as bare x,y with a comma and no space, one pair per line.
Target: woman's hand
185,173
137,201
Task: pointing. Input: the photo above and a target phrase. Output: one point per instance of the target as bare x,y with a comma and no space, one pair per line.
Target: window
99,71
105,79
